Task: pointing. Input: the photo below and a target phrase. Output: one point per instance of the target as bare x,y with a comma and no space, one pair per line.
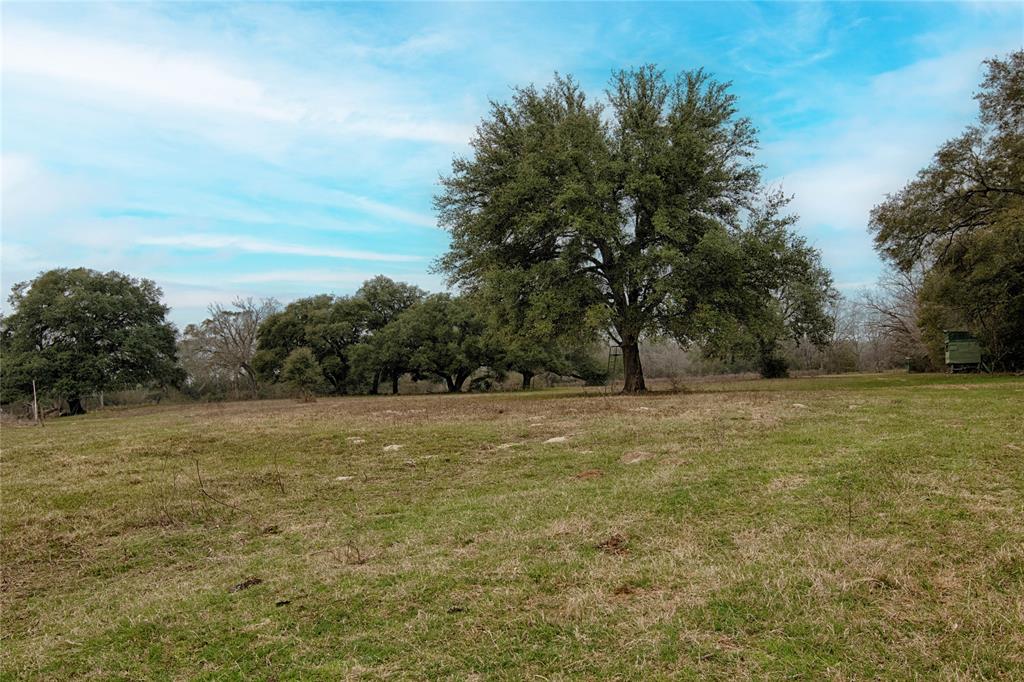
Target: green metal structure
963,351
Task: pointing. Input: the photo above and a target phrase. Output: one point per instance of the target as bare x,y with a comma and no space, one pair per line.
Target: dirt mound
636,457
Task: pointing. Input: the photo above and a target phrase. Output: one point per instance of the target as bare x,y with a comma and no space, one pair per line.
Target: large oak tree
79,331
613,217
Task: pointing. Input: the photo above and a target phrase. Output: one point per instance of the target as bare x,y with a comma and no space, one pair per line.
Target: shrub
302,371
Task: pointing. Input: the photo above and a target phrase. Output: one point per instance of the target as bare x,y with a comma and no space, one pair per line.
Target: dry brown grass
722,532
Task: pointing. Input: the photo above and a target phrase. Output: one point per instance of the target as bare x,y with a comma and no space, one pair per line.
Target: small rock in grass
356,440
800,406
557,439
344,478
392,448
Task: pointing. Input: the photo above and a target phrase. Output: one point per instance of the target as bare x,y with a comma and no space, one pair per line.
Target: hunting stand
614,363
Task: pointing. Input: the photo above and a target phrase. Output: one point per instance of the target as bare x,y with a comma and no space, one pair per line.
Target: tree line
953,237
637,219
77,332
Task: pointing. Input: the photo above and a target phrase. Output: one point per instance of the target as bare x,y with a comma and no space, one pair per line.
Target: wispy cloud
224,242
130,74
382,209
335,278
176,80
838,168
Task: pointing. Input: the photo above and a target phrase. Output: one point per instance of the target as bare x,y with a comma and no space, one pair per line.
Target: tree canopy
442,337
342,332
961,220
782,292
614,220
531,332
379,355
330,326
79,331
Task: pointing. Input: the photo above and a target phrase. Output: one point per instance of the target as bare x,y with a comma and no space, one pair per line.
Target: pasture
821,528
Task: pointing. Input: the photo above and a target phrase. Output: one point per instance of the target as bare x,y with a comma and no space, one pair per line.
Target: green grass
838,528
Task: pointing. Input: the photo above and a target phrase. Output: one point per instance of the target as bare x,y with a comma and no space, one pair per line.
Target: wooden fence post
35,403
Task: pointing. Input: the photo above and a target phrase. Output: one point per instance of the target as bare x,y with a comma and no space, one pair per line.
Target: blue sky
291,149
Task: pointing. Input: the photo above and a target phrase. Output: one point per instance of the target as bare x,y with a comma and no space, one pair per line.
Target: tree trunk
527,378
75,406
456,385
395,376
376,383
631,369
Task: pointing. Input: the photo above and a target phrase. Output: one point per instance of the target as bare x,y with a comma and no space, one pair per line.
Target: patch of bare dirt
251,581
615,544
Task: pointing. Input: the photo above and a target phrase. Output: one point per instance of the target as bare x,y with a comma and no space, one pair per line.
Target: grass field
827,528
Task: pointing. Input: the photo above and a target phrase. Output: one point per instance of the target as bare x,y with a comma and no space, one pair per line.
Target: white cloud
178,80
406,128
135,76
949,78
334,277
184,298
381,209
841,191
30,191
222,242
894,124
309,276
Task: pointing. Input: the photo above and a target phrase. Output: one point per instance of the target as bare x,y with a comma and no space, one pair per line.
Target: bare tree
225,342
894,310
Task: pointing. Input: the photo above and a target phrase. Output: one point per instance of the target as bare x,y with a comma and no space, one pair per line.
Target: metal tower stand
614,362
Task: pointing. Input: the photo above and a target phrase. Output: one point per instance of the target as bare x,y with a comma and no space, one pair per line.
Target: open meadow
822,528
